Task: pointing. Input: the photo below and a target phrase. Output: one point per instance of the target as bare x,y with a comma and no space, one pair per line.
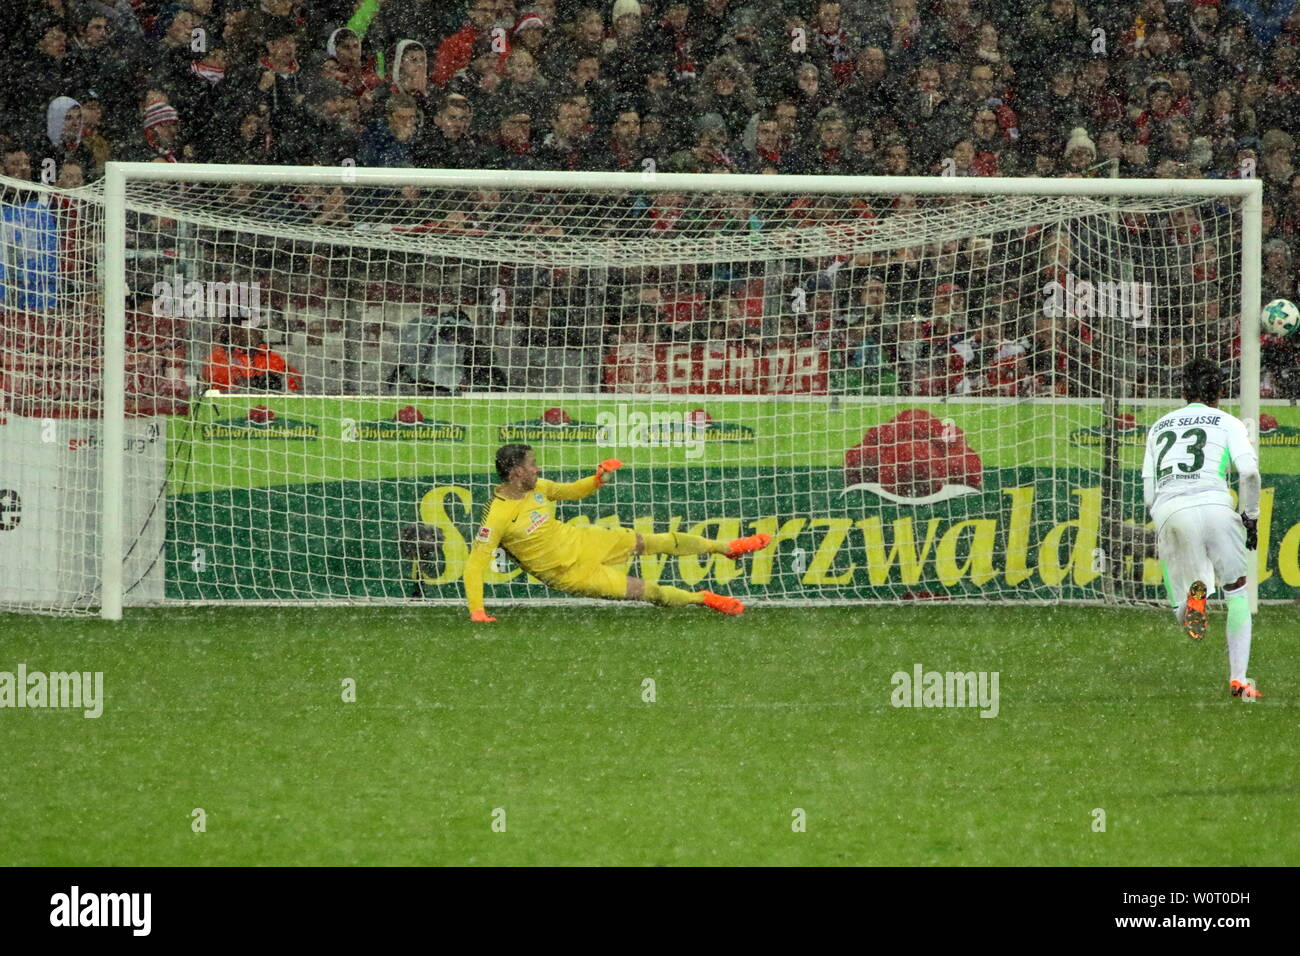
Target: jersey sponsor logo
538,519
484,534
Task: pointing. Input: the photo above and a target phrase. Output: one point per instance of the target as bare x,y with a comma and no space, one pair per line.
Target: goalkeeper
584,561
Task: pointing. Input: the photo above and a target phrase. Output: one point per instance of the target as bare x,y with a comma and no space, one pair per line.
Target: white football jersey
1189,451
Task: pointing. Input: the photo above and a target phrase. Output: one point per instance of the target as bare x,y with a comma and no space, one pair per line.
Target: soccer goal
257,384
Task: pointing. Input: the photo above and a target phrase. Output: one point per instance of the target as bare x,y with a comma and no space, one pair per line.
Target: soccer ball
1279,318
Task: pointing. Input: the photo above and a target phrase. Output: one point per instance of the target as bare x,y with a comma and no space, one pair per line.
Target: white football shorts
1201,542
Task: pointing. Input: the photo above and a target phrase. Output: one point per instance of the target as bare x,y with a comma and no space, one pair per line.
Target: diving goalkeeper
584,561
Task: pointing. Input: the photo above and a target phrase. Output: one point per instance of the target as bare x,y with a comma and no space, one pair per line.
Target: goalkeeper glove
605,467
480,617
1252,532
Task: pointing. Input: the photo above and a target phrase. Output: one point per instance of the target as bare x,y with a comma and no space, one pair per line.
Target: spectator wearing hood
711,153
471,40
768,154
743,42
407,72
725,89
63,135
1080,153
345,65
811,91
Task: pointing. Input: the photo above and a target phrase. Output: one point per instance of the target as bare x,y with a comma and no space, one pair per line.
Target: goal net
291,383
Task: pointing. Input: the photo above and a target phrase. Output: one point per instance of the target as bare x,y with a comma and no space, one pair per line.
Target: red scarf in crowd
213,74
265,63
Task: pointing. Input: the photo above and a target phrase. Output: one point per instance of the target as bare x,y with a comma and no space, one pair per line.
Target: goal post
897,377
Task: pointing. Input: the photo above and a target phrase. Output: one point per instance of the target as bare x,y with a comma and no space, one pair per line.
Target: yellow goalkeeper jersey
528,529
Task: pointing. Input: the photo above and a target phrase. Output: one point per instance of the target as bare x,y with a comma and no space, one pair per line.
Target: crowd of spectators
1142,88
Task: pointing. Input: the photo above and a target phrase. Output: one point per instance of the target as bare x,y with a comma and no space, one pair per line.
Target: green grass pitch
240,712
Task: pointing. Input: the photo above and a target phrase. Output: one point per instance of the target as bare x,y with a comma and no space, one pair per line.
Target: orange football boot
1245,690
1194,620
722,603
755,542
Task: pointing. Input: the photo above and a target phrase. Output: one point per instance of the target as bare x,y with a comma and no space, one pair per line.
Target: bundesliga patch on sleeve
484,534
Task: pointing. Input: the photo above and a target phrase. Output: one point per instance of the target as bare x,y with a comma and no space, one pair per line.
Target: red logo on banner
913,455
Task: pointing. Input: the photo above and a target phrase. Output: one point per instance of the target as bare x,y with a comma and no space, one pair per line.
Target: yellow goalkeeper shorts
598,570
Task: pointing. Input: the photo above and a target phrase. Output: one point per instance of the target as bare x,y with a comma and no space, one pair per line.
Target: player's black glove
1252,532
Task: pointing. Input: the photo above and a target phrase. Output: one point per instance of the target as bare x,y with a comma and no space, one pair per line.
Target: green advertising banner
306,497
